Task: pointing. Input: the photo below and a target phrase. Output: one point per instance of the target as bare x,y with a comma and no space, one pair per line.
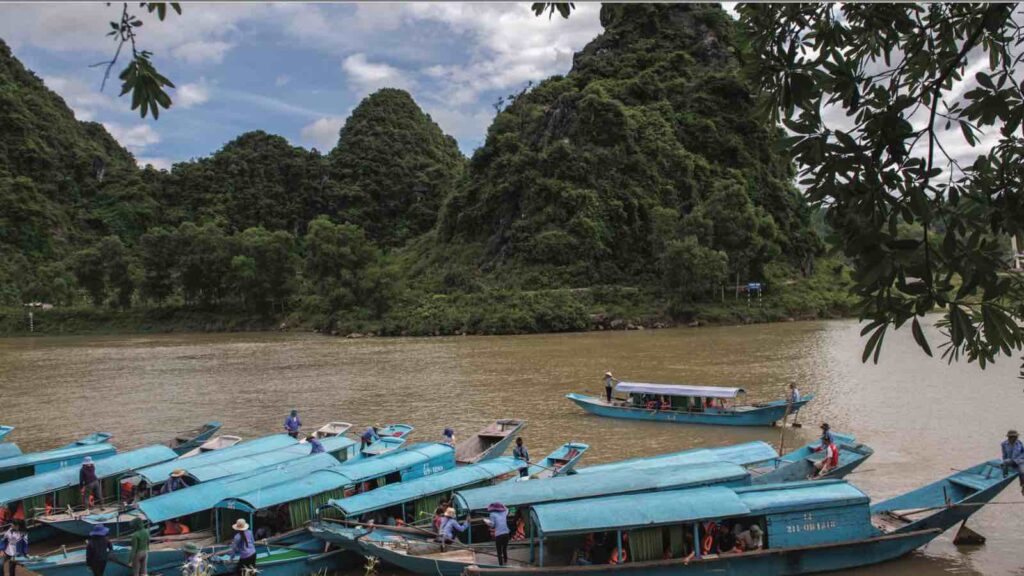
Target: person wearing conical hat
193,560
1013,456
243,547
609,384
498,521
449,526
176,481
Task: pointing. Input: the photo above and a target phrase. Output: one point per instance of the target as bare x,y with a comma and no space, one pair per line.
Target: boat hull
786,562
763,415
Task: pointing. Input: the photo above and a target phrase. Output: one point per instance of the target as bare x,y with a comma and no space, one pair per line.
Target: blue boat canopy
113,466
259,461
310,485
741,454
72,453
630,511
160,472
679,390
622,481
417,488
799,496
206,495
417,454
8,450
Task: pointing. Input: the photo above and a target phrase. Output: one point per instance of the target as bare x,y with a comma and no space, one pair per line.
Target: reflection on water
922,417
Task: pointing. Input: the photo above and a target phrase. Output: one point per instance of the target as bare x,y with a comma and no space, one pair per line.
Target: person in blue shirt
369,436
1013,456
826,435
498,521
292,424
520,453
176,482
794,394
243,547
317,446
449,526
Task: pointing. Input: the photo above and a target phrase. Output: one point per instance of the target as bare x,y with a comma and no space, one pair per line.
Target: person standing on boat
15,543
448,436
89,483
794,394
98,549
317,447
609,384
243,547
176,482
521,453
1013,457
292,424
498,521
449,526
140,548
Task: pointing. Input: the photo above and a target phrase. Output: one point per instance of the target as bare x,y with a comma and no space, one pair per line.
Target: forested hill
637,186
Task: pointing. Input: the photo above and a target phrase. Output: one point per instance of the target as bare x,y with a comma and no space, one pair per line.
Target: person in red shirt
830,461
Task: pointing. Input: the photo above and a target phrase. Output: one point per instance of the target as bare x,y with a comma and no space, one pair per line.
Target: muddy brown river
922,417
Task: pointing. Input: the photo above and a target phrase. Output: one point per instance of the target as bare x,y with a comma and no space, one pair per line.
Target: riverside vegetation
639,189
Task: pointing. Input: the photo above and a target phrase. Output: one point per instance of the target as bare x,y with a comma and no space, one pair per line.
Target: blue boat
190,439
25,465
247,457
559,463
807,527
8,449
686,404
383,445
416,500
490,442
37,495
5,430
395,431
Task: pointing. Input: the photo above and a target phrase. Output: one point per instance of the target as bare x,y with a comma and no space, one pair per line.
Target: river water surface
921,416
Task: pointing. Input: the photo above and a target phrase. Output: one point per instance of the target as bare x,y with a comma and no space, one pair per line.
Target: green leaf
915,328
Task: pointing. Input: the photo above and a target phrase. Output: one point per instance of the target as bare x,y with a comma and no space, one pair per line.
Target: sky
296,70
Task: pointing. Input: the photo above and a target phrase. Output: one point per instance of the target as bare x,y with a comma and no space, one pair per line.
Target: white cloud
202,52
366,76
282,80
189,95
323,133
85,100
135,138
157,162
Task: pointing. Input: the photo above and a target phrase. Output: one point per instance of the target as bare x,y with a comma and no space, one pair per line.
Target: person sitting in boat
751,539
609,385
193,560
830,461
369,436
316,447
620,555
520,453
709,544
449,526
89,483
439,514
666,403
725,542
175,482
448,437
292,424
175,527
1013,456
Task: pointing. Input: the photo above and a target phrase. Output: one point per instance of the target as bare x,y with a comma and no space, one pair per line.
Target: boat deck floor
889,522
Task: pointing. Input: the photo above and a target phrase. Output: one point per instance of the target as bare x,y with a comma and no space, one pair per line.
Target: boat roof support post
618,542
216,524
540,561
533,557
696,540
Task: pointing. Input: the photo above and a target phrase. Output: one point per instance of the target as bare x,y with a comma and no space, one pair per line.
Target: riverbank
488,312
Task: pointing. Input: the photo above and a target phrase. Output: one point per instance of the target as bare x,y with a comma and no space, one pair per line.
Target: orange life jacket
615,555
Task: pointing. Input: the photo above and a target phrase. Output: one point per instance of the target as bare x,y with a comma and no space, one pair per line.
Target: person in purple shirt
176,482
292,424
243,547
317,446
1013,456
498,521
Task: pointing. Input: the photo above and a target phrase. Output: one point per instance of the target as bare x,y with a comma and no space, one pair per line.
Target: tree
117,270
87,266
265,269
158,255
344,269
205,262
689,270
897,73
